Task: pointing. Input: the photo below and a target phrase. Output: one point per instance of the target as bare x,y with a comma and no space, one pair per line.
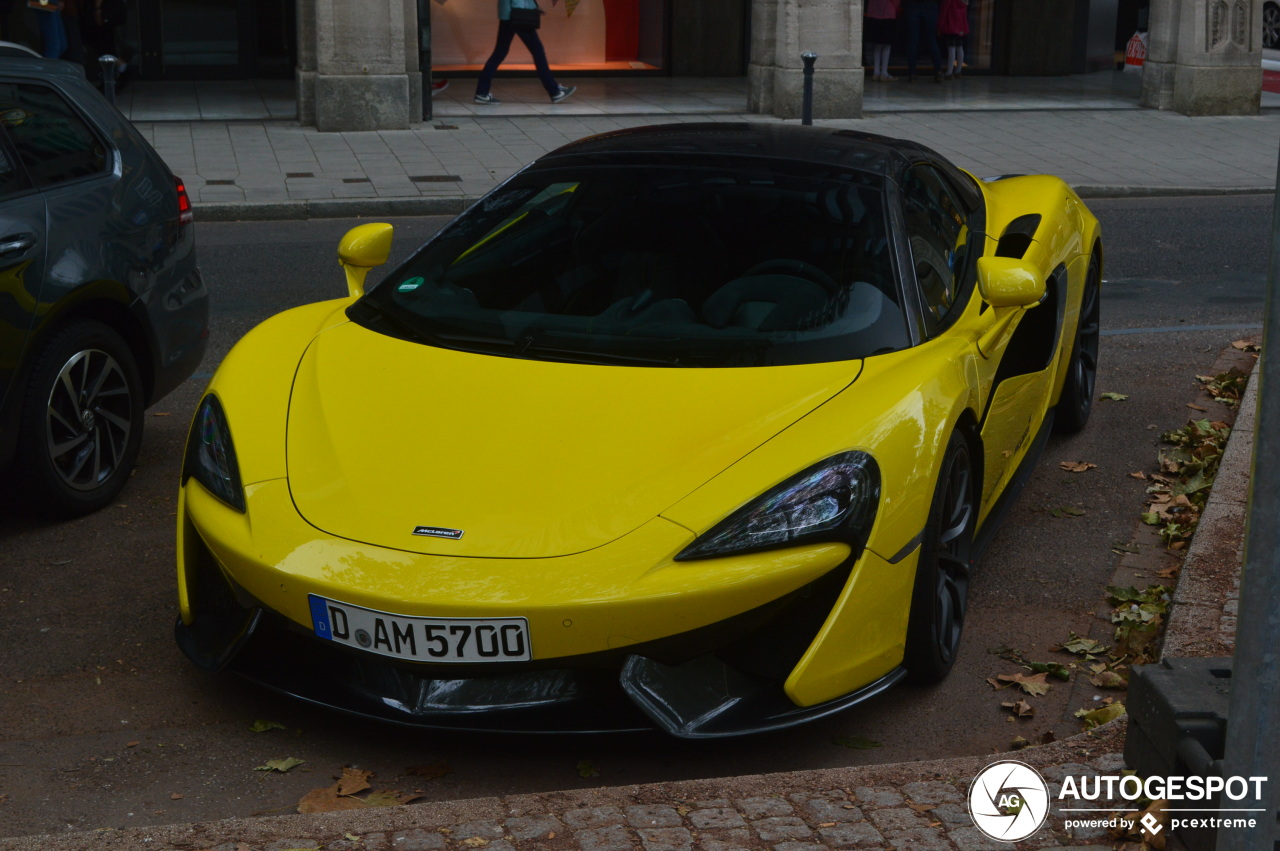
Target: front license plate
421,639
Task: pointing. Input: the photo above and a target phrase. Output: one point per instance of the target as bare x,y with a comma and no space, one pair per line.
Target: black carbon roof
846,148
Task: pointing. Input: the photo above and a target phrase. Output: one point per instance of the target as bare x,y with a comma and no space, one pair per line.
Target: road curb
361,208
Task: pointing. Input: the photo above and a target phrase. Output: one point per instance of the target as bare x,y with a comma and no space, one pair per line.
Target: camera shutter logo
1008,801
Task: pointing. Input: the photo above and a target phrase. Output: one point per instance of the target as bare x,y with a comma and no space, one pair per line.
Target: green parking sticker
410,285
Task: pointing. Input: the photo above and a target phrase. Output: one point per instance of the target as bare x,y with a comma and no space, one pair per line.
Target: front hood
527,459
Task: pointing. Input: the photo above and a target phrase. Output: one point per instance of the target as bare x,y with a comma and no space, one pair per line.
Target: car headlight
834,500
211,458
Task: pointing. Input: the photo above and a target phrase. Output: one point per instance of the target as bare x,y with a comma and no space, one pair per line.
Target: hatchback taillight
185,216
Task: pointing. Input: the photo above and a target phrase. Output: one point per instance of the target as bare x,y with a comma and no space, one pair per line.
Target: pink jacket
882,9
953,18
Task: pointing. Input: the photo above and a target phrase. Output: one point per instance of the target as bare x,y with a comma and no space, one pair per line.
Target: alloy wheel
954,550
89,419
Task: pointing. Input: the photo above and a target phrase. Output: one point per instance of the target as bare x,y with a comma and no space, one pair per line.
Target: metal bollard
108,63
806,112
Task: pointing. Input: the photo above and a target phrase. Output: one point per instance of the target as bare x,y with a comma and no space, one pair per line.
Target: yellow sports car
694,427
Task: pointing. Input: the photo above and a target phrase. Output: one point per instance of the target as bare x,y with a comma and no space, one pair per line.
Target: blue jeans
53,35
506,33
922,17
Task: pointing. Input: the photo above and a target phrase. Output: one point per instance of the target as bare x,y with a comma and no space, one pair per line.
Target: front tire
940,596
81,421
1076,401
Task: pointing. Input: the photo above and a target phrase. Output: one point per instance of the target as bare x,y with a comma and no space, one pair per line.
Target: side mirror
1009,282
360,250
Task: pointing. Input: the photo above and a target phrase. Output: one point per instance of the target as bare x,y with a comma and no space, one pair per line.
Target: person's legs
539,54
913,36
53,38
929,24
500,50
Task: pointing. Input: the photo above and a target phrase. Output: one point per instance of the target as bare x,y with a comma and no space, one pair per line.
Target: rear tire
1076,401
80,427
940,596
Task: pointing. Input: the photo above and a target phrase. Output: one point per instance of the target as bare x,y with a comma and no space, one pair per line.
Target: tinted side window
937,229
53,141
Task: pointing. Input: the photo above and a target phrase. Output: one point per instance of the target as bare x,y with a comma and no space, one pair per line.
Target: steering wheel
796,268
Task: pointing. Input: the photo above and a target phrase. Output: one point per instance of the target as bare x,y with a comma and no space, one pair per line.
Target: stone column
358,64
782,30
1204,57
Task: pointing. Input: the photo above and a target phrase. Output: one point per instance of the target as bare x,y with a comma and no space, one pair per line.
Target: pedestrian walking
881,21
524,23
953,26
922,18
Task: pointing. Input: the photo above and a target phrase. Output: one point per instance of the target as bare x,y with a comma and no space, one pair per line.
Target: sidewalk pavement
919,805
1101,143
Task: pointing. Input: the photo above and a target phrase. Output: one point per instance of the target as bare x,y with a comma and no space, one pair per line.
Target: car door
945,240
22,261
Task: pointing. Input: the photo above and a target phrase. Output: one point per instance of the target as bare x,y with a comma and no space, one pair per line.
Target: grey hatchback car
102,308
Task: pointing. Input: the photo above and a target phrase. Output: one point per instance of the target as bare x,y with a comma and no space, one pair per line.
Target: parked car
695,427
102,308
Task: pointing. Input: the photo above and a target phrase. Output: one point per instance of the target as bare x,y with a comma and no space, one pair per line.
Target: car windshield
655,266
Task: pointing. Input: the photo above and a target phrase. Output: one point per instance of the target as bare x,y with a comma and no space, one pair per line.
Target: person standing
53,35
508,30
922,17
953,26
881,19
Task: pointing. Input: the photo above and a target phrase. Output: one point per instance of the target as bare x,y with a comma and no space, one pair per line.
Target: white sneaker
565,92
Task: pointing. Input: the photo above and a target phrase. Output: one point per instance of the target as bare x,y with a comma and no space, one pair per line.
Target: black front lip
723,679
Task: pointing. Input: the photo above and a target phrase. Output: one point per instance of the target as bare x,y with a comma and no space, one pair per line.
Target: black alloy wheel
1270,25
941,592
81,421
1076,401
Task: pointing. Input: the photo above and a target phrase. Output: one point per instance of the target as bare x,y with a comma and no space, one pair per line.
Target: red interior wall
622,30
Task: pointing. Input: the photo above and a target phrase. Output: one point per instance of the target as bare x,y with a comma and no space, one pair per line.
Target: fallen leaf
855,742
353,780
1193,406
431,770
831,823
1138,475
1020,709
1109,679
261,726
389,798
1077,466
1068,512
1032,685
161,414
132,744
327,800
1084,646
176,796
475,842
281,765
1114,397
1097,717
1019,743
586,769
920,808
1047,738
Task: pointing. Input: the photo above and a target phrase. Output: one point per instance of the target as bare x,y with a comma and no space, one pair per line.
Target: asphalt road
104,723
